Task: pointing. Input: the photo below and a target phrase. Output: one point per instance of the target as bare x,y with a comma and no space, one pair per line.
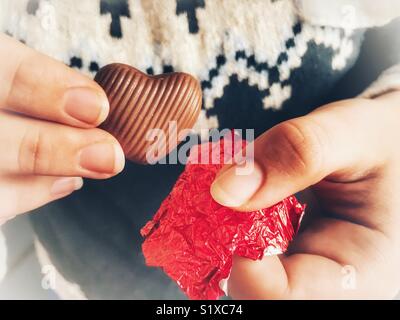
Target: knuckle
13,99
31,156
299,146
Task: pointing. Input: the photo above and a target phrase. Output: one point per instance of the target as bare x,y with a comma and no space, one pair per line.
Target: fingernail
103,158
231,189
65,186
86,105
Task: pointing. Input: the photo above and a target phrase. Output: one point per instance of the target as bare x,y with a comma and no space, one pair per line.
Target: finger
19,194
36,147
250,279
315,278
316,269
41,87
4,220
343,142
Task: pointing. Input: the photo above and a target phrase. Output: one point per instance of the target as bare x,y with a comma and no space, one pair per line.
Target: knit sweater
259,62
262,43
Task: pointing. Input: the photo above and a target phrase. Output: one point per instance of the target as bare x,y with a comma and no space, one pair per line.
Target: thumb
340,140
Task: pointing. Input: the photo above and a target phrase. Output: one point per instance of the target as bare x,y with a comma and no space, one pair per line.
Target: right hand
347,155
48,139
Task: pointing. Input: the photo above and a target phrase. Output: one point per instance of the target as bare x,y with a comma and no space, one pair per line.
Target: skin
48,135
347,156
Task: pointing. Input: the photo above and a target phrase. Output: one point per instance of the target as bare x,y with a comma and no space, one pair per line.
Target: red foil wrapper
193,238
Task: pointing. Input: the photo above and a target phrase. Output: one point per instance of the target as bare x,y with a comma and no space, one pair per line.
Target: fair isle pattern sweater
259,62
258,47
264,49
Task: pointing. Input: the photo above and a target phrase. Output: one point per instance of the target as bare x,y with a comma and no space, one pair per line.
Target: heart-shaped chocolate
140,102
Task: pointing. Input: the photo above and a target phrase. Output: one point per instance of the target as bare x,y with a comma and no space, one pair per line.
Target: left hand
48,136
348,154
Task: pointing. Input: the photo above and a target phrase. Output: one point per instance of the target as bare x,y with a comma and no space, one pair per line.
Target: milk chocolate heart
139,103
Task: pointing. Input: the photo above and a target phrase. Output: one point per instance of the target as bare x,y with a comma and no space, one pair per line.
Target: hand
48,139
348,154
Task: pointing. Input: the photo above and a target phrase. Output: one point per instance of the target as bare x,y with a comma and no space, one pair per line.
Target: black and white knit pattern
247,55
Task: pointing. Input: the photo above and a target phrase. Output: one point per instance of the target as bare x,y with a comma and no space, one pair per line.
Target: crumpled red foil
193,238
